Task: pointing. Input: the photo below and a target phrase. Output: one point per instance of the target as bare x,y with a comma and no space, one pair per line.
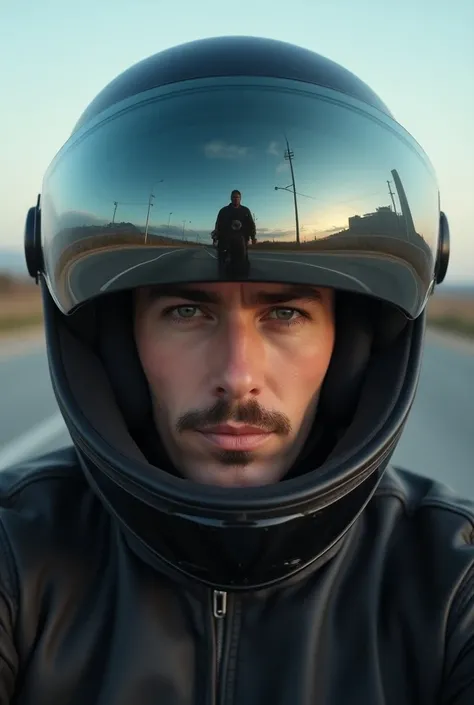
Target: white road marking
30,441
363,286
105,286
316,266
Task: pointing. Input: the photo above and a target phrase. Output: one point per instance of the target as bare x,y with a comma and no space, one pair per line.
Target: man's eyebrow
291,293
176,292
202,296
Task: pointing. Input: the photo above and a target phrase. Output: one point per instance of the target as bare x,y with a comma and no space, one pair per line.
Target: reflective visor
337,194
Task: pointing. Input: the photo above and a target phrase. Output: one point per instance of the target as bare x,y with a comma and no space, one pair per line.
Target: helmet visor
331,193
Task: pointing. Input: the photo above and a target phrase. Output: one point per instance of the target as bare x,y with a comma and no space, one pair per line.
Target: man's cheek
160,366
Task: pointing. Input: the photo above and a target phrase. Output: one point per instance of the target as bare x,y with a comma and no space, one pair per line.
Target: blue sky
418,55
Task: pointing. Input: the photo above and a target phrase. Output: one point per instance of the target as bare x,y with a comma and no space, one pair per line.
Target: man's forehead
248,292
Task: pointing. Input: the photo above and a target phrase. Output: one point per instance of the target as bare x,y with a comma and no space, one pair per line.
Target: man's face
235,372
235,199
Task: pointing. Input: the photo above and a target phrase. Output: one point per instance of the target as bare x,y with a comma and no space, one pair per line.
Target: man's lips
233,430
228,437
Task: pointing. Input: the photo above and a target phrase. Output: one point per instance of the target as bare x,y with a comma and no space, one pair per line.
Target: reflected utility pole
150,205
184,225
169,220
115,210
289,156
392,196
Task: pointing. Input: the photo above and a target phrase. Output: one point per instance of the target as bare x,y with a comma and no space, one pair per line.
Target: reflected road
127,267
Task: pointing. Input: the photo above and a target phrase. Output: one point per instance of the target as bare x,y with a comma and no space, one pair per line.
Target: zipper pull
219,604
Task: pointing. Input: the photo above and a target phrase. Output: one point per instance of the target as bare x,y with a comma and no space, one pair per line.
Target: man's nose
238,359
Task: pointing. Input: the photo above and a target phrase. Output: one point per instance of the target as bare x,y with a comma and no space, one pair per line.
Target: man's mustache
224,411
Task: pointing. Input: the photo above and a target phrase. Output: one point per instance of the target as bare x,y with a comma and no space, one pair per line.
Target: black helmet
344,197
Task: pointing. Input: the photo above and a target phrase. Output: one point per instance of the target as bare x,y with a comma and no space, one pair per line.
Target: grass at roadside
453,324
20,306
452,314
11,324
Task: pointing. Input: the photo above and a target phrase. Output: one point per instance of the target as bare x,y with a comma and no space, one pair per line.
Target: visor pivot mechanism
443,249
33,252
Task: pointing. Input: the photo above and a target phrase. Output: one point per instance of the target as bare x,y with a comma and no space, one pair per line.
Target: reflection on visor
259,181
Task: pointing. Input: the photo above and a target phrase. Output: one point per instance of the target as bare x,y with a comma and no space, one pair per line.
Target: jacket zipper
219,612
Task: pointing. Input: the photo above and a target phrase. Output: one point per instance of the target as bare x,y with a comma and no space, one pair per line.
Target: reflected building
382,222
409,224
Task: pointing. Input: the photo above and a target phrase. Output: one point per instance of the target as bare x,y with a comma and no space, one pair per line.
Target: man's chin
230,469
236,458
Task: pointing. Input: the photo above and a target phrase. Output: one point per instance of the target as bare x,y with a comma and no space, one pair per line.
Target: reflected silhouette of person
231,219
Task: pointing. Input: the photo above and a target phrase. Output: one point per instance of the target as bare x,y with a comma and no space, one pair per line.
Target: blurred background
418,56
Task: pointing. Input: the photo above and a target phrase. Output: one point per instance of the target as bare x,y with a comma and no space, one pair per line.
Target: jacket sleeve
8,652
218,221
458,686
253,230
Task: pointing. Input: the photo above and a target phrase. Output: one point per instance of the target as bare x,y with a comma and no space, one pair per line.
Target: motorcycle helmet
345,198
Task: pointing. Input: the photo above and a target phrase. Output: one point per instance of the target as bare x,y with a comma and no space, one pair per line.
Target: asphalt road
438,441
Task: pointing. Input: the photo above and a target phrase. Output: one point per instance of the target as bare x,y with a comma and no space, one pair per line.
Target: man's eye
186,311
183,313
285,314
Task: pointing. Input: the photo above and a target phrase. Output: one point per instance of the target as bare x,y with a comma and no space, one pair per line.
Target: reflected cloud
273,149
269,235
218,149
326,232
79,219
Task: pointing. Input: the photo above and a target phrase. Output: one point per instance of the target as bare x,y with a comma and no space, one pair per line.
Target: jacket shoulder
41,485
46,508
433,517
420,495
427,531
54,534
38,470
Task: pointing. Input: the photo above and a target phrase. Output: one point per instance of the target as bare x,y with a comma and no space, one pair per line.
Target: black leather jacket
229,213
387,619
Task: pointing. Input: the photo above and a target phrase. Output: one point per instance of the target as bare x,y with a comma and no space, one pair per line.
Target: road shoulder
17,343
